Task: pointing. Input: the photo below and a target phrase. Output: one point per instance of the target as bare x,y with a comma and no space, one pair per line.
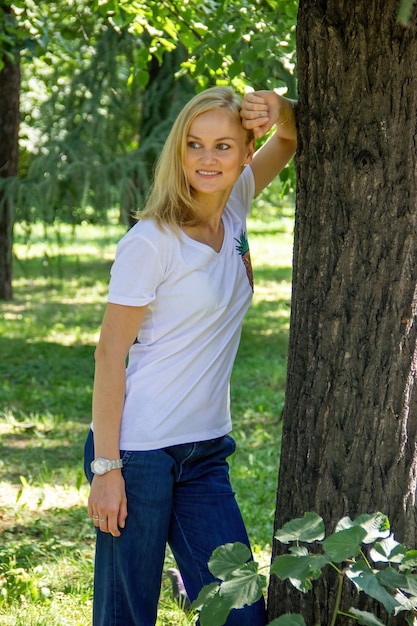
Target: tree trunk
350,418
9,127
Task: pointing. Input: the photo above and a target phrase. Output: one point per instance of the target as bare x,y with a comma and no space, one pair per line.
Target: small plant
386,573
20,583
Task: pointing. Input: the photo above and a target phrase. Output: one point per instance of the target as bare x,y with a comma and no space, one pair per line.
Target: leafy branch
386,572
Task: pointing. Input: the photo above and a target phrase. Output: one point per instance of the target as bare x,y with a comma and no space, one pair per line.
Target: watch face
100,466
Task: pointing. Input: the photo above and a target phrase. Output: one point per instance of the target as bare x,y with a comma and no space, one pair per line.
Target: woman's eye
194,145
223,146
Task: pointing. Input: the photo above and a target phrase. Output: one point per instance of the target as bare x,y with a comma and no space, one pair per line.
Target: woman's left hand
260,111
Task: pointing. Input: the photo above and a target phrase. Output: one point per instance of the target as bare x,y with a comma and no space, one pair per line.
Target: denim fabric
182,496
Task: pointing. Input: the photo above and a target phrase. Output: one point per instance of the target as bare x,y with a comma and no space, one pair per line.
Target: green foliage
405,10
103,81
12,38
362,551
241,584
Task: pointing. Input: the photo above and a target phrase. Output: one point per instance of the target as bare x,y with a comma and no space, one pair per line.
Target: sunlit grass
47,338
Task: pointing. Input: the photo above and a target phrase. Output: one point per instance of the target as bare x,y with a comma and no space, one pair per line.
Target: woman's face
216,151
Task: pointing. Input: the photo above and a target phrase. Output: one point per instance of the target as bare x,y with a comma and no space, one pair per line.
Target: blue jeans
179,495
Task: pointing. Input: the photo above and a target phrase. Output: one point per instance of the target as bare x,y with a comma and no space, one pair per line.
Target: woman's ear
250,151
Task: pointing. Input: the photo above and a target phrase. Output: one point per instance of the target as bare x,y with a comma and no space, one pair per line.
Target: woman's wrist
286,117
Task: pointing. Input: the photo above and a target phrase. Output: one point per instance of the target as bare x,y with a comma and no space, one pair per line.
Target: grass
47,338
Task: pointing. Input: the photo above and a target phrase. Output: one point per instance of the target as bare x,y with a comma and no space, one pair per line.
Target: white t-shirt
177,378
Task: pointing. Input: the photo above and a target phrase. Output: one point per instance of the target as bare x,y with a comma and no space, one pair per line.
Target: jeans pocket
232,444
126,456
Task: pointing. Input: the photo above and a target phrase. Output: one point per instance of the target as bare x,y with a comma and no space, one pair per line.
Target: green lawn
47,338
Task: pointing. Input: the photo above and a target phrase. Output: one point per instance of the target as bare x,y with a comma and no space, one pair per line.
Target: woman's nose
208,155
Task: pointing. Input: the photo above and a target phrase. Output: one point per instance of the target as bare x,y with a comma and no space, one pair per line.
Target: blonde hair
170,201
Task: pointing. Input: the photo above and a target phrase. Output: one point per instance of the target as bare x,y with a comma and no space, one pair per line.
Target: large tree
350,418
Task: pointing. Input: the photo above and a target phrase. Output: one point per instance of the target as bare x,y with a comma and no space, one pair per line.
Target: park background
99,87
88,91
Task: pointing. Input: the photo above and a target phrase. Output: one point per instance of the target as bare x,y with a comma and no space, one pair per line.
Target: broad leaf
206,593
344,544
227,558
292,619
399,585
366,619
411,584
244,586
365,580
405,603
215,612
308,528
299,569
388,551
391,579
409,562
213,609
376,525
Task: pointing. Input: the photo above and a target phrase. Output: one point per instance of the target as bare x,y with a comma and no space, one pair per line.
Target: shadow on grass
42,458
48,535
39,377
61,267
273,274
258,379
45,409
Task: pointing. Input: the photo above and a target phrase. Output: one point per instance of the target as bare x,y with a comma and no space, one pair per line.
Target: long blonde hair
170,201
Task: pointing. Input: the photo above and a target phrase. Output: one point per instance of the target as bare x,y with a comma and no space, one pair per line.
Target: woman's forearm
108,398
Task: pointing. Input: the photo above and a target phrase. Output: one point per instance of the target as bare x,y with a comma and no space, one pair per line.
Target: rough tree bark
9,128
350,418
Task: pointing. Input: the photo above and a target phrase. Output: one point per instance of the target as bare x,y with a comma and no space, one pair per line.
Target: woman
180,286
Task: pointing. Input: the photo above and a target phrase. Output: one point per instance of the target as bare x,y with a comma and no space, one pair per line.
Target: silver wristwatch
102,466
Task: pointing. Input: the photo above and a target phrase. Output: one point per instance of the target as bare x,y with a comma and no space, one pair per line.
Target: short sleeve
136,272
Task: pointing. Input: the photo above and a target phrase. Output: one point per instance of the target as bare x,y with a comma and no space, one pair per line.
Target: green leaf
142,77
213,609
242,586
215,612
299,569
411,586
227,558
388,551
308,528
405,603
365,580
291,619
245,586
377,525
366,619
405,10
409,562
391,579
205,595
344,544
235,68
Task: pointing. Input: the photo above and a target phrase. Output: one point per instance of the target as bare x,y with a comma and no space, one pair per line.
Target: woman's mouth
207,173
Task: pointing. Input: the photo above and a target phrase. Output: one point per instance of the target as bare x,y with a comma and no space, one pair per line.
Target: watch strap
115,464
102,466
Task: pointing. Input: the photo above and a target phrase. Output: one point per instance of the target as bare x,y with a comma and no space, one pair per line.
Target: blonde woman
180,286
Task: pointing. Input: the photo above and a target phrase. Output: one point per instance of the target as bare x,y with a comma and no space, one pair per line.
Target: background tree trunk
9,127
350,418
